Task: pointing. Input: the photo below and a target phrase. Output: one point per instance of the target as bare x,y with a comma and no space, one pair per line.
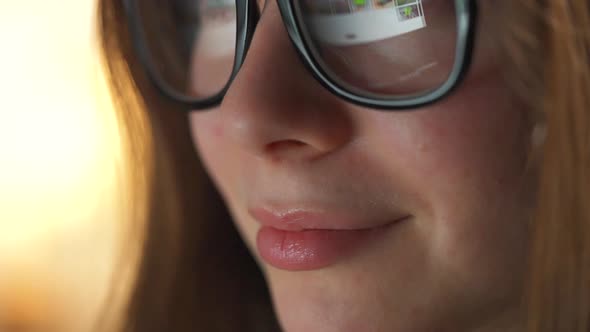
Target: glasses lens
383,48
191,43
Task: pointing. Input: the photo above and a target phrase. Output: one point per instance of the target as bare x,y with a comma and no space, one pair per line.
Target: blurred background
59,159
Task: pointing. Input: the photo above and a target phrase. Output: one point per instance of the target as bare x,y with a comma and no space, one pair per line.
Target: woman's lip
312,249
303,239
297,219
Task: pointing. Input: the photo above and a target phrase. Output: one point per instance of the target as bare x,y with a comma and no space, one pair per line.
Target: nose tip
286,128
274,133
275,108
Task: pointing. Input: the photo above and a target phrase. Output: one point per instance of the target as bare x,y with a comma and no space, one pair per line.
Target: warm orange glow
59,156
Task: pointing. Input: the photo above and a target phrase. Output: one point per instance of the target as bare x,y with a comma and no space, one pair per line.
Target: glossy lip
299,240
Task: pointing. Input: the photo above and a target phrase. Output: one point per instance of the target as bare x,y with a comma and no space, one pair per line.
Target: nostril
291,150
276,147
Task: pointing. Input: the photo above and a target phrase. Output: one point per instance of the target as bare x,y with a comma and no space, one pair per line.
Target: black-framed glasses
382,54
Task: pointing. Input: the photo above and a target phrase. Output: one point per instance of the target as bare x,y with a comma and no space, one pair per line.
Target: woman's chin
318,302
296,314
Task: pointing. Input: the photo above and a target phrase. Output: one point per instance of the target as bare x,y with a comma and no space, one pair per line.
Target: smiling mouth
303,241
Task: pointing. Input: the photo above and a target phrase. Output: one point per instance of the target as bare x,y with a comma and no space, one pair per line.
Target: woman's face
364,220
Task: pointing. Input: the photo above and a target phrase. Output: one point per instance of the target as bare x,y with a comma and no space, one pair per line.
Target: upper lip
300,219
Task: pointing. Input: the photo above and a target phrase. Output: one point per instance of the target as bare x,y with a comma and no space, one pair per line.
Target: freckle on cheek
217,130
423,147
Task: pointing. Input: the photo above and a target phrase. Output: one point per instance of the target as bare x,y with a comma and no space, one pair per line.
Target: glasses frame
247,18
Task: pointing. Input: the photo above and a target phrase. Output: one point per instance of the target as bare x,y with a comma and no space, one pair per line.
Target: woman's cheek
475,139
210,143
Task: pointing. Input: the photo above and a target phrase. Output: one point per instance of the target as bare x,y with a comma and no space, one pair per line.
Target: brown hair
560,262
180,288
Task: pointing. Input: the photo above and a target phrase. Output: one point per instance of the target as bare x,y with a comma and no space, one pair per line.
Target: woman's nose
275,109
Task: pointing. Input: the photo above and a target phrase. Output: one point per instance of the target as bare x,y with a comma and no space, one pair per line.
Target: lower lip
310,249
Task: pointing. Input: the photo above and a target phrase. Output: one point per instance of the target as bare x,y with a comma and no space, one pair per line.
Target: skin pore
456,168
